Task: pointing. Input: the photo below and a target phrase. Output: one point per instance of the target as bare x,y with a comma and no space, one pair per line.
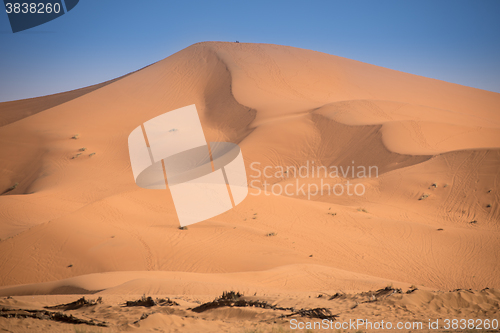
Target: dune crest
73,220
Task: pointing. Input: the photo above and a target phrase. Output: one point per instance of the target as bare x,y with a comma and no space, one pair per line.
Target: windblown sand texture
79,225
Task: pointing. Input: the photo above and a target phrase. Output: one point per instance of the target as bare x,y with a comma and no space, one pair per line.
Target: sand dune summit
73,221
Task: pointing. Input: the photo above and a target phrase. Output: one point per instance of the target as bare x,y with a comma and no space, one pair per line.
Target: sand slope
68,218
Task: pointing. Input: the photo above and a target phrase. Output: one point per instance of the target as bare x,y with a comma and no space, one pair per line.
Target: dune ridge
78,224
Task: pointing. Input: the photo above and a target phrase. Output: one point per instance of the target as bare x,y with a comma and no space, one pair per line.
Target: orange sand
284,107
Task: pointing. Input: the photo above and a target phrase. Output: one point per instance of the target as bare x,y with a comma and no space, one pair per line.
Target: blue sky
456,41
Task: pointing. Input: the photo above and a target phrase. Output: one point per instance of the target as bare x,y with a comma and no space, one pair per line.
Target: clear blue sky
455,41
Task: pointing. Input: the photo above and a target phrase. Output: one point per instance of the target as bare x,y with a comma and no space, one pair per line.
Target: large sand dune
81,225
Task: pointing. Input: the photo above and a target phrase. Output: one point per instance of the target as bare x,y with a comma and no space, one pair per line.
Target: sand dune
78,224
16,110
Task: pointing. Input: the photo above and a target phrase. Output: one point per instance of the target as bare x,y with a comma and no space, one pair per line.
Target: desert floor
420,244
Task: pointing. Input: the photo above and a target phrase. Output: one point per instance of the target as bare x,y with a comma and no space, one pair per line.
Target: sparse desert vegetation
12,188
424,196
84,226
